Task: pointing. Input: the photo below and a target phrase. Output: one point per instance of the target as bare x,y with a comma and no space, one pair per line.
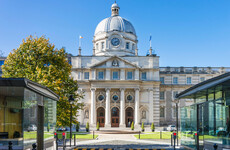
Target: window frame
127,45
175,80
189,80
98,77
161,95
145,75
127,75
117,75
163,80
86,76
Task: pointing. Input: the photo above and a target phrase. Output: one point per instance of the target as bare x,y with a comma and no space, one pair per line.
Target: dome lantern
115,9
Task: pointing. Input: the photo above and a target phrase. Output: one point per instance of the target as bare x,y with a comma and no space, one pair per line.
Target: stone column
93,107
122,108
107,108
150,97
137,106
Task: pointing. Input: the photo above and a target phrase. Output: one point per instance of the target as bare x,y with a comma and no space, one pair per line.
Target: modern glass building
208,116
27,114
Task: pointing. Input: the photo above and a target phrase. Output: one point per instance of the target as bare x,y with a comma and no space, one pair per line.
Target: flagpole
150,41
79,41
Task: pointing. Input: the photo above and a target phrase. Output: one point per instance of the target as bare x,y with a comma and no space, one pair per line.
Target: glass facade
209,117
18,116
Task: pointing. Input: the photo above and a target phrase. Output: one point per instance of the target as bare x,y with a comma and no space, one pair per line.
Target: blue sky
184,32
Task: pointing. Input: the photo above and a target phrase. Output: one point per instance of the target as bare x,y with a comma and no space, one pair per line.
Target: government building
121,87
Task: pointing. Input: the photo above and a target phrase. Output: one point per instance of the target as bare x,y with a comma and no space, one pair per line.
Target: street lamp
71,100
177,124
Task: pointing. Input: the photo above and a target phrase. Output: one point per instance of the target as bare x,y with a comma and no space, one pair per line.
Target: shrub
152,127
143,127
98,127
132,126
48,127
87,127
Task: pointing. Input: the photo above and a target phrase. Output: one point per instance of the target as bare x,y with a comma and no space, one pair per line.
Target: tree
142,127
98,126
152,127
132,126
87,127
38,60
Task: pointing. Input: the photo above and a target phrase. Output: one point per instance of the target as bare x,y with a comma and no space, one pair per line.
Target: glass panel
175,80
162,95
115,75
100,75
86,75
11,115
162,79
129,75
143,76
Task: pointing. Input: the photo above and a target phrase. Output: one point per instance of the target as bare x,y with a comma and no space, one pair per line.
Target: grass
155,135
33,135
79,135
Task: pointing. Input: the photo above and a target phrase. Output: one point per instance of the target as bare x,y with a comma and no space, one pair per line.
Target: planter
97,129
87,130
77,130
153,130
143,130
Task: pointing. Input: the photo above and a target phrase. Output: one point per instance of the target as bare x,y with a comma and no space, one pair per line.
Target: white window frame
176,80
102,75
117,75
86,76
163,80
145,75
127,75
187,80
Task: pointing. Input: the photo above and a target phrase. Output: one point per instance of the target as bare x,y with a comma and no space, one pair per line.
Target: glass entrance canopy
208,115
27,113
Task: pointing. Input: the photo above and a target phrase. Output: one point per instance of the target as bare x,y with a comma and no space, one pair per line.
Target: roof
33,86
204,85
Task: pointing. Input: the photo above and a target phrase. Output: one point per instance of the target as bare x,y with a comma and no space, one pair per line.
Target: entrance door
128,116
115,117
101,116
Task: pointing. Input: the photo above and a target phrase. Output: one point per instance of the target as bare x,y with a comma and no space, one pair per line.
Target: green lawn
79,135
155,135
33,135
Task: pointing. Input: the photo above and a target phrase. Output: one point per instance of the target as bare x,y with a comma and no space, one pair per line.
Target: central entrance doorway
128,116
115,117
101,116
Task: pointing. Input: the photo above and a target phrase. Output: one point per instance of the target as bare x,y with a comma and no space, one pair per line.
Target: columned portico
137,103
107,108
93,107
122,108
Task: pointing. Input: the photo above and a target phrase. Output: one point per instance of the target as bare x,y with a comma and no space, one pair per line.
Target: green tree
152,127
87,127
143,127
38,60
98,126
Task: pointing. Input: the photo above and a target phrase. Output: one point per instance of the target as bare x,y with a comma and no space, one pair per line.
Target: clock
115,41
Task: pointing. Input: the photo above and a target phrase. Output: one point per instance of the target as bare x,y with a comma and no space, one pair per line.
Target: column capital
122,89
107,89
137,89
93,89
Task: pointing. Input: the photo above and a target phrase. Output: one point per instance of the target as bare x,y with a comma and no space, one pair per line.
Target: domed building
121,87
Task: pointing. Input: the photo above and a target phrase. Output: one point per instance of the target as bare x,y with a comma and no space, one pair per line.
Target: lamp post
177,124
71,100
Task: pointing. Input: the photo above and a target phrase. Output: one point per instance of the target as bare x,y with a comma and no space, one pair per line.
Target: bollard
74,139
10,145
64,137
34,146
56,135
93,134
171,139
160,134
139,134
215,146
174,138
196,140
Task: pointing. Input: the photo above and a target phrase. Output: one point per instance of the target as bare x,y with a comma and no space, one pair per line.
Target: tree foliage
38,60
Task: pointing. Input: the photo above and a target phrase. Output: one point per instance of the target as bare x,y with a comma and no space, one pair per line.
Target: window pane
162,95
127,45
115,75
189,80
175,80
100,75
143,76
162,79
86,75
162,112
129,75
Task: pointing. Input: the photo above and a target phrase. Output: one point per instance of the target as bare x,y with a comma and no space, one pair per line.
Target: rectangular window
202,79
1,62
133,47
162,79
162,95
189,80
115,75
127,45
102,45
143,76
174,94
129,75
162,112
86,75
100,75
175,80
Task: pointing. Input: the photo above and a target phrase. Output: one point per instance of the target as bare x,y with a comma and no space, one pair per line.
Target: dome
115,6
115,23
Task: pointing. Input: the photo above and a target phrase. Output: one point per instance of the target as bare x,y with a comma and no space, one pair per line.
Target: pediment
115,62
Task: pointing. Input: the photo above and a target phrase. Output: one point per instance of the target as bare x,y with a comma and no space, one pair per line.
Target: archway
128,116
101,116
115,117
